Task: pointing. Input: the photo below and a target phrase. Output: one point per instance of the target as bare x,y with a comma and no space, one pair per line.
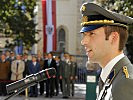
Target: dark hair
34,56
50,53
25,54
122,31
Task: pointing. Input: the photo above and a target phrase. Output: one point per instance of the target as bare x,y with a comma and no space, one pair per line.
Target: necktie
17,70
17,66
101,84
49,62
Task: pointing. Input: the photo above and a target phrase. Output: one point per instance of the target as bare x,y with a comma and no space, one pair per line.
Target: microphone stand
18,91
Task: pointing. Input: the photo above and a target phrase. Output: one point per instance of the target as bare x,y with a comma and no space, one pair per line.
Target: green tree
17,20
124,7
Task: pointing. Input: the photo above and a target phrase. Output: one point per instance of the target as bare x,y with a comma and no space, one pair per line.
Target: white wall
67,16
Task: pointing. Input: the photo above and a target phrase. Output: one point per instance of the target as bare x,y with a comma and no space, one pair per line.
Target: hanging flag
49,25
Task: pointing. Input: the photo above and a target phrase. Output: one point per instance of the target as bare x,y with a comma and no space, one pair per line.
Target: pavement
80,91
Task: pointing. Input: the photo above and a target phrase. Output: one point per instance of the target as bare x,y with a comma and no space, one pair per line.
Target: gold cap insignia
83,8
84,19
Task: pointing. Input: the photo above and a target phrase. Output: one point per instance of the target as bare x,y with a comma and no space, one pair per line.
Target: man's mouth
88,51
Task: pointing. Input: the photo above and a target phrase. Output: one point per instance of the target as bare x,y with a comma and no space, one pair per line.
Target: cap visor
90,28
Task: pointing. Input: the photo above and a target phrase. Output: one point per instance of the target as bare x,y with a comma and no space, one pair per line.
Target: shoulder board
125,70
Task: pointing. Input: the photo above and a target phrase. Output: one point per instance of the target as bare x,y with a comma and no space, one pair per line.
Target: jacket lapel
114,72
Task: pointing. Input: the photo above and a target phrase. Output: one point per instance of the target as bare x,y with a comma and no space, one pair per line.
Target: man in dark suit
58,71
34,67
50,63
12,56
26,61
41,62
104,37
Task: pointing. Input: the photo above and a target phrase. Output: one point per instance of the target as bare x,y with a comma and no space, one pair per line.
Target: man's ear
114,37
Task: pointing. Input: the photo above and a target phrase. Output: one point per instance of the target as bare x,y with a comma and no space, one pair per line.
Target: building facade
68,19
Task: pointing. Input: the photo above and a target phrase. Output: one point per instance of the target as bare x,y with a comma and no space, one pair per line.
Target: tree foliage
124,7
17,20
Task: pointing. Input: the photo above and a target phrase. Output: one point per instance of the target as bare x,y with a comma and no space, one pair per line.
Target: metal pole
26,94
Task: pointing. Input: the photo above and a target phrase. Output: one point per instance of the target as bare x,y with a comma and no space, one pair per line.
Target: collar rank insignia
125,70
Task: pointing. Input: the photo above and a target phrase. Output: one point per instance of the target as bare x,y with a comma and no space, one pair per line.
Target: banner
49,25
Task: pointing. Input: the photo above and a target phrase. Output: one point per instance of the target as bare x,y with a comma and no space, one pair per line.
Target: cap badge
84,19
83,8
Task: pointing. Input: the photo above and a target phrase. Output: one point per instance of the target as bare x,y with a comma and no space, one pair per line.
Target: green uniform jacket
122,87
65,69
73,69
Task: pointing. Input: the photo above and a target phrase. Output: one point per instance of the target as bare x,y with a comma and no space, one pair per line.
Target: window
61,40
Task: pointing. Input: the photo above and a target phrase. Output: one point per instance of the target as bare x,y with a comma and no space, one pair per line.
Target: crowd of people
15,67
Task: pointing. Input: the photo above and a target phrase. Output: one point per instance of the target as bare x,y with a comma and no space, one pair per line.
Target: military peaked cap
94,16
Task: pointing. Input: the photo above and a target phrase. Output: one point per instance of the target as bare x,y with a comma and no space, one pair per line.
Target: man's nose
84,41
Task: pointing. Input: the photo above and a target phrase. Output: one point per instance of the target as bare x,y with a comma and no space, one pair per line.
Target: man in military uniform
104,37
65,75
73,75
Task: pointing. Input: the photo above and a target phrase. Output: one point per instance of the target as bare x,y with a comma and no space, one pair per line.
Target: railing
81,68
81,72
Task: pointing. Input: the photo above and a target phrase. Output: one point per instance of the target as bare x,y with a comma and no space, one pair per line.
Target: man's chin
91,60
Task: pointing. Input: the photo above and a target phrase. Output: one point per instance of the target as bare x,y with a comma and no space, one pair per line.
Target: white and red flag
49,25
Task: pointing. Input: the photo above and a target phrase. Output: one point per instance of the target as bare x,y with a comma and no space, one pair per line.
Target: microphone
31,80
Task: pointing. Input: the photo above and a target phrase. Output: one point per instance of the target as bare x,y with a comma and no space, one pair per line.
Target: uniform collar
106,70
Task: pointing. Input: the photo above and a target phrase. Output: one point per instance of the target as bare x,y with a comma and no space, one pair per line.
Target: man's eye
82,36
91,33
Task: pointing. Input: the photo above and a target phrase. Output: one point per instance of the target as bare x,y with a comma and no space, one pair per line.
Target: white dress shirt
34,63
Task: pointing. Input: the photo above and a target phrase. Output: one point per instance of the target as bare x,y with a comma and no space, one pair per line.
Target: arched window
62,35
61,40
